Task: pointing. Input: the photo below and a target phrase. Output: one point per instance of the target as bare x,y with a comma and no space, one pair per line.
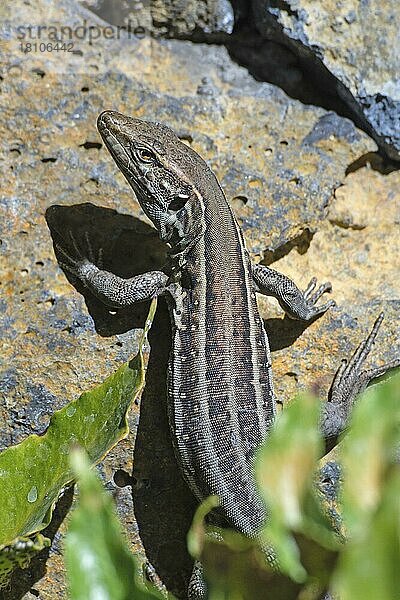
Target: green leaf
99,563
197,532
286,463
368,451
33,473
369,565
285,468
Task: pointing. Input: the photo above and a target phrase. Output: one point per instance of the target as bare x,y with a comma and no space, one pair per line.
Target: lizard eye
146,155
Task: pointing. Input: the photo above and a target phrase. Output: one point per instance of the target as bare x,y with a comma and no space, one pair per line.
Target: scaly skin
220,391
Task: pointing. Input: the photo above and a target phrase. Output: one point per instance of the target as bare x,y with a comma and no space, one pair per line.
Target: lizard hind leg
350,380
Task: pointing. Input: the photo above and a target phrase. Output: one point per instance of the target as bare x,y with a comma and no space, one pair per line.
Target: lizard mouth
109,125
112,127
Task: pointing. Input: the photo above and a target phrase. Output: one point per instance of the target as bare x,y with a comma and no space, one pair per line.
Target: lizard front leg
112,290
296,304
350,379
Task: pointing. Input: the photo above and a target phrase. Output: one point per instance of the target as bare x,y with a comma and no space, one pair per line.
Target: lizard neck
207,210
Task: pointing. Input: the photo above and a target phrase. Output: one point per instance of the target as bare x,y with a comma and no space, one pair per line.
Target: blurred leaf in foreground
234,566
286,467
368,451
99,563
369,562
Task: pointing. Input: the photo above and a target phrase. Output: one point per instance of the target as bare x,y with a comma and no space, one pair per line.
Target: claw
73,264
311,298
75,244
67,267
342,368
324,287
61,250
89,247
100,258
372,374
326,306
310,287
365,347
350,380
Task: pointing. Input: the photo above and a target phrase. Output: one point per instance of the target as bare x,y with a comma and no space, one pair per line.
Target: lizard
221,399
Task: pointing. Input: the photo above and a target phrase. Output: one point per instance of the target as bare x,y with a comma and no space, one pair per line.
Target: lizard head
161,170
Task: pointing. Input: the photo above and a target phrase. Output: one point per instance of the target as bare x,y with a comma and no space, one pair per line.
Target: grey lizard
220,389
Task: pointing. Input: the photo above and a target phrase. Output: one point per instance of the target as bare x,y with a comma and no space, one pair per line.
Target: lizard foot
302,305
77,262
312,295
350,380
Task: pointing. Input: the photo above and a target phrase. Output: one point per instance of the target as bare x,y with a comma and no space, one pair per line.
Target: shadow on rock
163,504
126,245
283,332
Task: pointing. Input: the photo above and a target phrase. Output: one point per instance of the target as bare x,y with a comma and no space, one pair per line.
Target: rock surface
353,47
283,167
167,18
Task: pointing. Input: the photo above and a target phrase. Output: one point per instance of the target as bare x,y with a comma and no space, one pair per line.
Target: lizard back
220,385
